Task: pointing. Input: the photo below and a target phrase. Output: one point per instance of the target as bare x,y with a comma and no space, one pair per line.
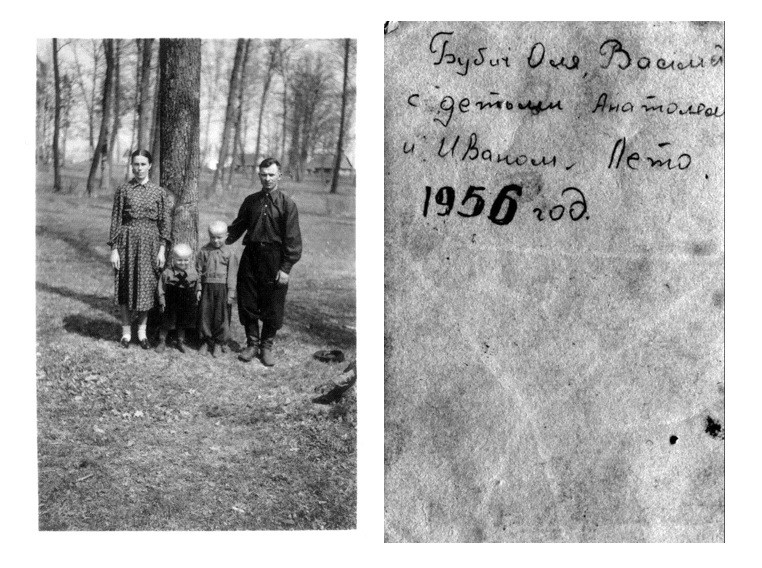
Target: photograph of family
195,284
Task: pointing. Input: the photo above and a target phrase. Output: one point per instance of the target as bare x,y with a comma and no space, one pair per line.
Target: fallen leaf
138,414
98,430
130,443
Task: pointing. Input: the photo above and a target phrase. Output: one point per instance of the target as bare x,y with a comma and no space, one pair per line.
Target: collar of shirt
145,183
273,194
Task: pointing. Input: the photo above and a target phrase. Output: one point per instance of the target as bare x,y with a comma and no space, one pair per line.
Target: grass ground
135,440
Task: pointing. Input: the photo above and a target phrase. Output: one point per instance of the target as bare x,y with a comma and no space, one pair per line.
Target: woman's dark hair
267,162
144,153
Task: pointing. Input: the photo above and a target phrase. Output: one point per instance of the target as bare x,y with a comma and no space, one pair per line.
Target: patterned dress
140,224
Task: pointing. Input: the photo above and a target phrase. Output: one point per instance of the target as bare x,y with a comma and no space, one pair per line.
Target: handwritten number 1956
445,197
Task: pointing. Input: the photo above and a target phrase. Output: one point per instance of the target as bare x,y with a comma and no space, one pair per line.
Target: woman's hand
115,259
282,278
160,258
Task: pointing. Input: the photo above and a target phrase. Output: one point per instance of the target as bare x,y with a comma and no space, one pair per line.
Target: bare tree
310,103
180,79
155,130
230,114
43,110
237,141
116,110
101,149
89,93
340,142
144,93
57,120
273,56
284,66
212,72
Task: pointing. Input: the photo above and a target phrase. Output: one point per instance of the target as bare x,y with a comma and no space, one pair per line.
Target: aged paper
554,282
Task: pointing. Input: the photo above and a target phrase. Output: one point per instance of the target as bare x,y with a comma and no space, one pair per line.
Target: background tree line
293,99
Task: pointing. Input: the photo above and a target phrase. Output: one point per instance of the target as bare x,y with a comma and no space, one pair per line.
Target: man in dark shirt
273,244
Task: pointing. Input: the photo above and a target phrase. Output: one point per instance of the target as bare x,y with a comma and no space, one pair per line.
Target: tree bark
180,79
229,118
340,143
237,142
144,95
57,120
99,155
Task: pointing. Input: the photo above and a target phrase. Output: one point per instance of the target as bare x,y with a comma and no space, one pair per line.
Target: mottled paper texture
554,322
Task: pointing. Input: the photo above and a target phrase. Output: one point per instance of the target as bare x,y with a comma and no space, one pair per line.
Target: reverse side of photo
195,290
554,278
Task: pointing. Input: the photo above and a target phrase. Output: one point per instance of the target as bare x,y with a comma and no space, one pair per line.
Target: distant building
322,165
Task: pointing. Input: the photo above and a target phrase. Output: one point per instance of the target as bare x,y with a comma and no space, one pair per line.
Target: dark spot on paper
473,238
448,258
706,176
485,347
667,286
714,429
718,299
702,249
636,275
673,439
477,535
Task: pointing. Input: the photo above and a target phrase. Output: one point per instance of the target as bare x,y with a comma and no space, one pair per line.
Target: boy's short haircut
182,250
218,227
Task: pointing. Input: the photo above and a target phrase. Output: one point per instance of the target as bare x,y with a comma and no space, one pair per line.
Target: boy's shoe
124,342
180,347
204,349
267,357
144,343
161,346
249,353
215,350
224,347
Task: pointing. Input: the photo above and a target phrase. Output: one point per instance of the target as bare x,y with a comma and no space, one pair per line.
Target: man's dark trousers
260,297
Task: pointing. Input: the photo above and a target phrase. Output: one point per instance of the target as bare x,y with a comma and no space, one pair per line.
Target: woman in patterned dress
140,228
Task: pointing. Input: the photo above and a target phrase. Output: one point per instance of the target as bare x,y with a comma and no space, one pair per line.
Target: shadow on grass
97,328
311,322
100,303
78,243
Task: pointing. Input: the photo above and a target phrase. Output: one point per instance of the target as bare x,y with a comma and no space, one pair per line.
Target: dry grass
134,440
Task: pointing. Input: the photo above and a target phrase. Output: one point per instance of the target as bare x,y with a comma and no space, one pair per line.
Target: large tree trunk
113,140
57,120
180,78
229,118
101,148
340,143
237,141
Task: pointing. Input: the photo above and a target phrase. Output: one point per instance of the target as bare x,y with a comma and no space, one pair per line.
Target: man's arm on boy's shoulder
200,267
232,276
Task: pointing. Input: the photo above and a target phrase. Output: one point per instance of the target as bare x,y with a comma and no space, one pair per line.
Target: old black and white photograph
195,255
